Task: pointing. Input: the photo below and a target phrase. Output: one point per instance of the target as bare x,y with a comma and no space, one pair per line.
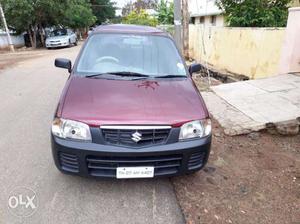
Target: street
29,93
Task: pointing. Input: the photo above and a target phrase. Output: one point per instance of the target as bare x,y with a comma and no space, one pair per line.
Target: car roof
132,29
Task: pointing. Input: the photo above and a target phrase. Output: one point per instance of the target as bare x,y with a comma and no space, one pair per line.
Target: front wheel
76,42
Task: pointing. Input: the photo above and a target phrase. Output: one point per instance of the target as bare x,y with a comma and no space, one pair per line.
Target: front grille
196,160
107,165
125,137
69,162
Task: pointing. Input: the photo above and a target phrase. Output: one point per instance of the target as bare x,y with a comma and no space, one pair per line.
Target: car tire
76,42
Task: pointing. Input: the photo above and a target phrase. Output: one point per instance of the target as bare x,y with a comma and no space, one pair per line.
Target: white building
17,40
206,12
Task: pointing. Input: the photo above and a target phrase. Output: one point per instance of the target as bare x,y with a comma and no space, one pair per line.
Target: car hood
141,102
57,38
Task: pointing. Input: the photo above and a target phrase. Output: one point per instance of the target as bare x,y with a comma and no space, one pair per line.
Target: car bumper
55,45
96,160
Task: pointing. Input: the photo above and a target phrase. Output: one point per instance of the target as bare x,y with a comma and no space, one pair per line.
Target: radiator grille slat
124,137
107,165
196,160
69,162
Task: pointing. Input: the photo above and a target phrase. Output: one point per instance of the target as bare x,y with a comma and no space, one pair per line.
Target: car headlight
69,129
195,129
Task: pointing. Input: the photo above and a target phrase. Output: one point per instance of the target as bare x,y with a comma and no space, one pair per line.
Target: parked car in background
61,38
130,108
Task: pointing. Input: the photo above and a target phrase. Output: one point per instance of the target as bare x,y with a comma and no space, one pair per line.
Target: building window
192,20
202,19
213,20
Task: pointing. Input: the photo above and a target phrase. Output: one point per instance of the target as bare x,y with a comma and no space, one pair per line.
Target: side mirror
63,63
194,68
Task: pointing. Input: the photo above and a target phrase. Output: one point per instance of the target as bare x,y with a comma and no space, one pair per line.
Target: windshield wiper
134,74
171,76
130,74
96,75
123,74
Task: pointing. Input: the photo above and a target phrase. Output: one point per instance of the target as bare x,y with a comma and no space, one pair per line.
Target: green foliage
140,18
21,10
103,10
165,12
255,13
35,15
79,14
22,14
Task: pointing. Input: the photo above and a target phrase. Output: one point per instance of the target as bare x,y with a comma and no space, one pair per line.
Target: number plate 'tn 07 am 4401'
135,172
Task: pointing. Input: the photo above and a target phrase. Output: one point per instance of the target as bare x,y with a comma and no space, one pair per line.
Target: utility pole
185,33
11,46
178,23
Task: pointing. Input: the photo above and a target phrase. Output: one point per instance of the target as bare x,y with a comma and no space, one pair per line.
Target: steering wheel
107,58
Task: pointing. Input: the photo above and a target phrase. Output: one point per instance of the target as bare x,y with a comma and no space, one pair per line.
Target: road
29,93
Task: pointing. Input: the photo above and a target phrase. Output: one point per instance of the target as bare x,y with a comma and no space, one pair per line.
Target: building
206,12
17,40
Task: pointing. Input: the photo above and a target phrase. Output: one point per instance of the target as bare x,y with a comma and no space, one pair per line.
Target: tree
31,15
35,15
140,18
79,15
255,13
165,12
126,10
103,10
138,5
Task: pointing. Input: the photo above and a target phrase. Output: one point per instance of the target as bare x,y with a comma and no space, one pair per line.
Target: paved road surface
29,92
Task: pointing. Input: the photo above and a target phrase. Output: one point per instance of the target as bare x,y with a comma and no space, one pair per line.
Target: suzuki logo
136,137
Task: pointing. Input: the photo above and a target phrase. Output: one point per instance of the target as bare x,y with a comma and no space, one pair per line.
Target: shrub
140,18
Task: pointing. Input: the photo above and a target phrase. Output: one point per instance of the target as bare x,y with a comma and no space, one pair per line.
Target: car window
151,55
60,32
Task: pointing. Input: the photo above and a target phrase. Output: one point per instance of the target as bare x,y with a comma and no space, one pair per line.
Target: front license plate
135,172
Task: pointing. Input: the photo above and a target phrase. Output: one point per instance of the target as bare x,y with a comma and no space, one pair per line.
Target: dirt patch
249,179
10,59
203,83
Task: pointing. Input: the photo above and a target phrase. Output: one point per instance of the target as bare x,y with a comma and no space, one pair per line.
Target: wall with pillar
290,55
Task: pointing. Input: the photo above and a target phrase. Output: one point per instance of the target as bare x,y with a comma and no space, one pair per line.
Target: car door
71,36
74,36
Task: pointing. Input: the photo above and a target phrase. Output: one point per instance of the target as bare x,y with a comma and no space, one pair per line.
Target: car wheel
76,42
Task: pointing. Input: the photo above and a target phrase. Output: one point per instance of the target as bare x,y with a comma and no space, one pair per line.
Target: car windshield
114,53
57,33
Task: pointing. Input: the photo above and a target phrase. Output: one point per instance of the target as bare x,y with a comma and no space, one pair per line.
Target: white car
61,38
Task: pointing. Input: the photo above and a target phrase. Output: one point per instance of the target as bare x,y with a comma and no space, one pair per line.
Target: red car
130,108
